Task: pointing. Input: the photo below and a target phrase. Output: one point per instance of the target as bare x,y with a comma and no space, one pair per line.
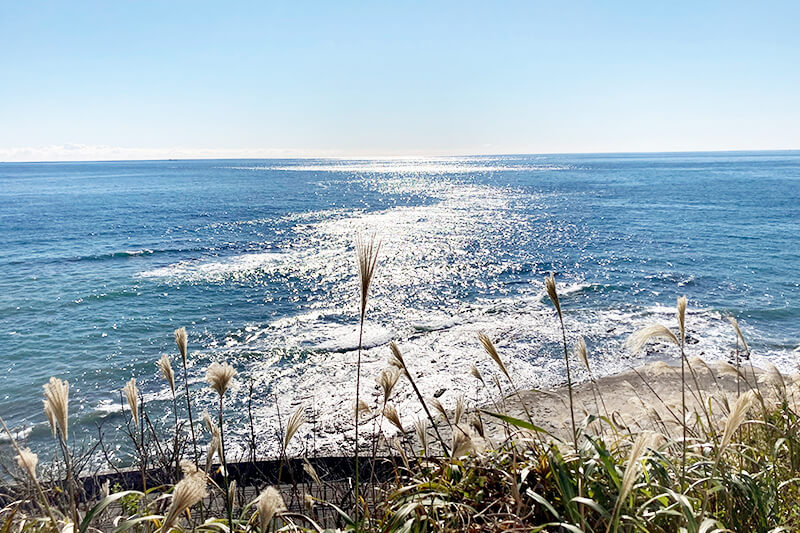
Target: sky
151,80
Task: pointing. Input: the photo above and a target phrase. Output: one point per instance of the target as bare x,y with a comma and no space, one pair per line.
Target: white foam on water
431,256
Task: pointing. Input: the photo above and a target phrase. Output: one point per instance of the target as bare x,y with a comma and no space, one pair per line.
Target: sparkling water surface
102,261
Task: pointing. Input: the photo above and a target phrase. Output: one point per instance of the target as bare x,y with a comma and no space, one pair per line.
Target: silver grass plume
638,450
458,412
581,352
439,407
56,405
219,377
421,429
773,377
312,472
387,381
270,502
550,285
476,423
737,416
308,503
391,415
681,312
165,367
367,253
476,374
462,444
735,324
188,467
492,351
188,491
297,419
27,461
215,446
638,339
181,340
396,359
132,396
232,492
362,407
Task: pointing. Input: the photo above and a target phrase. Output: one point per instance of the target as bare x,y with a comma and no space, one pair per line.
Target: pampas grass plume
219,377
581,352
737,416
387,381
165,367
56,405
639,448
270,502
421,429
476,374
492,351
396,360
27,461
682,316
550,285
297,419
188,491
638,339
462,444
367,253
391,415
181,340
735,324
132,395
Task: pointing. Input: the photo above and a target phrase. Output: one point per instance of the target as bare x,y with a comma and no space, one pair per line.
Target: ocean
101,261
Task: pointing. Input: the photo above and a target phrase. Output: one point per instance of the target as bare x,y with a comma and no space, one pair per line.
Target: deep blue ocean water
101,261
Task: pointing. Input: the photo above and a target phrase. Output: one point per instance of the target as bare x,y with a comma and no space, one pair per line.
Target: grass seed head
165,367
682,316
270,502
638,339
132,396
219,377
27,461
550,285
181,340
56,406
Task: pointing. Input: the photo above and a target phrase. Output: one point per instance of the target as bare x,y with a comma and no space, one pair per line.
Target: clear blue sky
117,79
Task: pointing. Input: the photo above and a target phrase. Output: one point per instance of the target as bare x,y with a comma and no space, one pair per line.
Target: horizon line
399,157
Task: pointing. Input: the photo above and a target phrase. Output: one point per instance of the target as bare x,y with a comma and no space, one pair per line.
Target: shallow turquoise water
102,261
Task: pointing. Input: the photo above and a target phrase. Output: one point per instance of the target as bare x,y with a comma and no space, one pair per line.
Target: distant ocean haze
102,261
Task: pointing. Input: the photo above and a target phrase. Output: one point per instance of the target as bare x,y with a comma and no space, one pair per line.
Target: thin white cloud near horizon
88,153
